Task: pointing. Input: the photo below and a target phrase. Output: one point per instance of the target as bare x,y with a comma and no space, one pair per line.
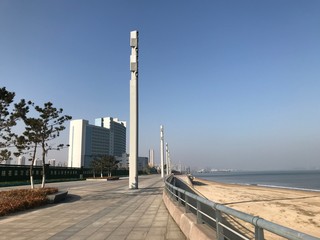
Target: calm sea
305,180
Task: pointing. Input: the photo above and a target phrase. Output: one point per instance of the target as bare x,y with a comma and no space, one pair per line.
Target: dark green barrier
21,173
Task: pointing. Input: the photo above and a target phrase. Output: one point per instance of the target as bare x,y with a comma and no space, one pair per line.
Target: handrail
260,224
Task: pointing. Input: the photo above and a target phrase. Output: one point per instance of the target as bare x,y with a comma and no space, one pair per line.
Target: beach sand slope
299,210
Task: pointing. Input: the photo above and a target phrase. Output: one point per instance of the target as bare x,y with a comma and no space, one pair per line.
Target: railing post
186,203
179,197
199,215
219,228
169,189
258,233
174,196
172,193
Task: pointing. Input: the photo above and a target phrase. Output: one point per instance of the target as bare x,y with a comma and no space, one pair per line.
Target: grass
22,199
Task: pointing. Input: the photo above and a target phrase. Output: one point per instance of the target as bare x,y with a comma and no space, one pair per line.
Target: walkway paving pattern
98,210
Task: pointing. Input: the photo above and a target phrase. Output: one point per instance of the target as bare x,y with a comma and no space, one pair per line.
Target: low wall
188,222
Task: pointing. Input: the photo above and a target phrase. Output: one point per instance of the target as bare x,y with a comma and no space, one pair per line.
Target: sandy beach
299,210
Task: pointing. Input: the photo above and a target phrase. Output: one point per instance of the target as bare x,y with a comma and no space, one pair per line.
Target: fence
21,173
227,222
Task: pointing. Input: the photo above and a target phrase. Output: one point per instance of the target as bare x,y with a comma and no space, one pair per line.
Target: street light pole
161,150
167,160
133,158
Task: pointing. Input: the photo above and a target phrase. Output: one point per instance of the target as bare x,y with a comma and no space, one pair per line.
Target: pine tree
9,115
40,131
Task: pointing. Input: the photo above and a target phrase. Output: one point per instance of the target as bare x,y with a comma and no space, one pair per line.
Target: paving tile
99,235
116,237
175,235
137,234
105,210
122,231
159,224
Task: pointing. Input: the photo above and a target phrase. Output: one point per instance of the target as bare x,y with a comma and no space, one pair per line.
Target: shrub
22,199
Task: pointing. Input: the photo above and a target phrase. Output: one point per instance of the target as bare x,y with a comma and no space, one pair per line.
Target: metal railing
226,221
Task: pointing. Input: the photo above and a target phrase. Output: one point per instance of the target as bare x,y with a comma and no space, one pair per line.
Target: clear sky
236,84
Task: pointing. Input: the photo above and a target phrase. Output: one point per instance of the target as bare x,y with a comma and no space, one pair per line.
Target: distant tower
133,157
22,160
52,162
37,162
151,158
161,150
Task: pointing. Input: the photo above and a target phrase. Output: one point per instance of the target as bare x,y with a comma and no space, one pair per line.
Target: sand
298,210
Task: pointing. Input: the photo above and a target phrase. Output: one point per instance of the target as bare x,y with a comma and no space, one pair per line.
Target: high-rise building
117,143
106,137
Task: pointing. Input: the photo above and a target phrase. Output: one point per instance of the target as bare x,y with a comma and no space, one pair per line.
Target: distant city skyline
235,83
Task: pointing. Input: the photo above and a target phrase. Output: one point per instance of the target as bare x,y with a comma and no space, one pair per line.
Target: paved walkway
98,210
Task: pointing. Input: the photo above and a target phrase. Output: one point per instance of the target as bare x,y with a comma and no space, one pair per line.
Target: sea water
302,180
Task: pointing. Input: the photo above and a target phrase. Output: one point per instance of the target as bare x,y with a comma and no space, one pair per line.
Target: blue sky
235,83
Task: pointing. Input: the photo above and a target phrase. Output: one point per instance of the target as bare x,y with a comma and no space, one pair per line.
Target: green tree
40,131
104,163
9,115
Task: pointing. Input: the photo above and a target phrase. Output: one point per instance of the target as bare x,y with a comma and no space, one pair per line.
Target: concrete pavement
98,210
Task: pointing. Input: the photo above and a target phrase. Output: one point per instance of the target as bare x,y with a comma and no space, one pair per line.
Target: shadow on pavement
71,198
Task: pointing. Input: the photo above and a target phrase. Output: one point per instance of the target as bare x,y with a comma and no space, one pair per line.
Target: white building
37,162
106,137
22,160
117,131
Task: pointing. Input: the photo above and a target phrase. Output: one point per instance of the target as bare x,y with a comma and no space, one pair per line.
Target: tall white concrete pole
167,158
151,159
170,169
133,157
161,150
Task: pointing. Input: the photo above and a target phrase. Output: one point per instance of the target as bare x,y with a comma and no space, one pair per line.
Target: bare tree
96,166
